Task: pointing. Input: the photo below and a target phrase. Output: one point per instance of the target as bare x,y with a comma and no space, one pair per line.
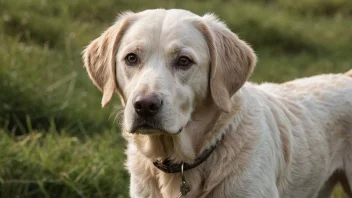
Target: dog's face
165,63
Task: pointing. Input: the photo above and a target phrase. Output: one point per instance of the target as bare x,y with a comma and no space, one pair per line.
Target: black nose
147,105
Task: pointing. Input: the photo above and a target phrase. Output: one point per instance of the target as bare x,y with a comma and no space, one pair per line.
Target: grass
49,164
56,141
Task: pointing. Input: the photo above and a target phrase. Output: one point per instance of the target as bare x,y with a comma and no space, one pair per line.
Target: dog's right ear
99,58
232,60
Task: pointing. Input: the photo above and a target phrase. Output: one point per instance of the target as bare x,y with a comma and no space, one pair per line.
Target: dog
194,125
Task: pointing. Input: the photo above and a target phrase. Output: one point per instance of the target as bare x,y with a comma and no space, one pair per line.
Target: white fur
281,140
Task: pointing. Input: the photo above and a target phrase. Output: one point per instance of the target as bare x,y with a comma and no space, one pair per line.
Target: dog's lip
147,128
179,131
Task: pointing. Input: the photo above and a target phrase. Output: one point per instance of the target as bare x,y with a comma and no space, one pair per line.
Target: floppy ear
99,58
232,61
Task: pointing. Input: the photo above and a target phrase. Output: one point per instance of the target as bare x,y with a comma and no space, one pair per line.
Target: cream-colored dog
182,81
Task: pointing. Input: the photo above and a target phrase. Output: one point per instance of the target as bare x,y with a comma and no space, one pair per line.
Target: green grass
42,164
56,141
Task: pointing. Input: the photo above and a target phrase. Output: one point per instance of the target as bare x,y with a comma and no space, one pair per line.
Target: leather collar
168,167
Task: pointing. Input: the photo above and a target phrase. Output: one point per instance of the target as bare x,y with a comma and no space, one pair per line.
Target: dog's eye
131,59
184,62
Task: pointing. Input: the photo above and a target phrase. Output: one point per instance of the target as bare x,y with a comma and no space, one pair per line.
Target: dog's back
327,95
337,177
326,101
349,73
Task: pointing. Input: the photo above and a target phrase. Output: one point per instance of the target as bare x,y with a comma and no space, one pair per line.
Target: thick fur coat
280,140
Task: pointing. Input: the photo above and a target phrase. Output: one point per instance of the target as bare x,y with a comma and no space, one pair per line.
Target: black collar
168,167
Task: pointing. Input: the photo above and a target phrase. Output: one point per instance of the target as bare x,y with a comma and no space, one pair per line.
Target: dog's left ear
99,58
232,60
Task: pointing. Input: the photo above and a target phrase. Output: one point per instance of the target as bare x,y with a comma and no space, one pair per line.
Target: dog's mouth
152,129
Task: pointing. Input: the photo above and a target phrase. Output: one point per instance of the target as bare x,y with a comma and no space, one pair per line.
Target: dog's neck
207,126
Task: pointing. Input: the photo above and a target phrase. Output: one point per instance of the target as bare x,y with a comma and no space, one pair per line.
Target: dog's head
166,63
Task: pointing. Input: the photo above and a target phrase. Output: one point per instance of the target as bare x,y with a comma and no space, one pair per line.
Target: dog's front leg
274,193
143,188
144,183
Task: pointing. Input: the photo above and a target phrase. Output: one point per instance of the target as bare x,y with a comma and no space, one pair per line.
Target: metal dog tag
185,188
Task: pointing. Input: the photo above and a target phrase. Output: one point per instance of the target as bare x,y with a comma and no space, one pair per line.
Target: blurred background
56,141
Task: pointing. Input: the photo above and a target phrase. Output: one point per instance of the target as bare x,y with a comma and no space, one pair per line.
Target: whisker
117,113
